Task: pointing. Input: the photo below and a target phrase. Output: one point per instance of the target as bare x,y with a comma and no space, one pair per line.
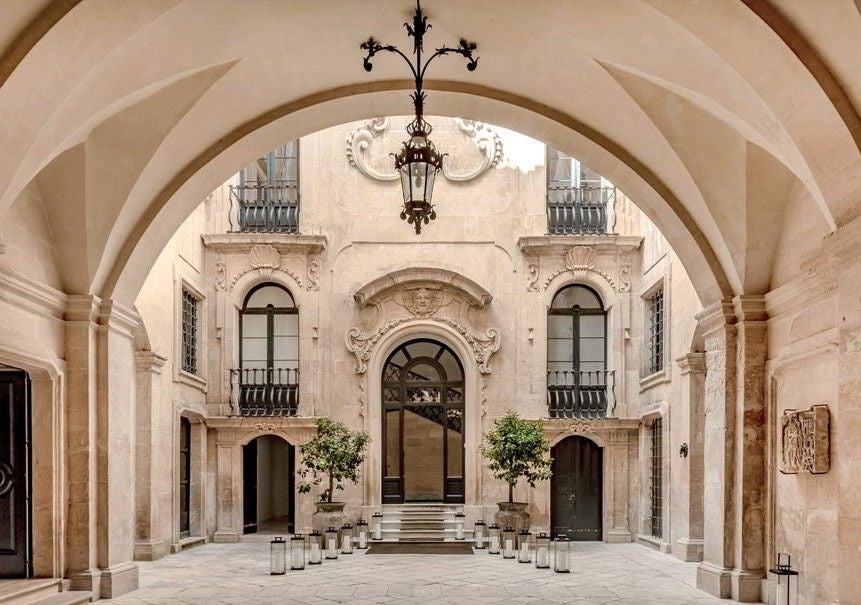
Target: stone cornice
801,291
692,363
284,243
750,308
261,423
150,361
114,316
401,278
83,308
716,316
31,295
541,245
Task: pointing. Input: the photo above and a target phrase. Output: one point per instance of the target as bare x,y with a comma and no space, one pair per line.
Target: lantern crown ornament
418,160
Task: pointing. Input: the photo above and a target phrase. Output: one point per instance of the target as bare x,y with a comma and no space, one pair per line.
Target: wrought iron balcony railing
264,392
264,207
574,394
579,210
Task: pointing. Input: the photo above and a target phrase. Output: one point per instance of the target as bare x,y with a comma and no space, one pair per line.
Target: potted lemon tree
516,448
333,457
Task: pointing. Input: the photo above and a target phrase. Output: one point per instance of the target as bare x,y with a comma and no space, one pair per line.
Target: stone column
149,544
115,448
688,501
228,486
80,342
617,499
734,441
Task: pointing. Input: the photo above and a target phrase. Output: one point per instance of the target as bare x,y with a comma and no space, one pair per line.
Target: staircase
39,591
421,523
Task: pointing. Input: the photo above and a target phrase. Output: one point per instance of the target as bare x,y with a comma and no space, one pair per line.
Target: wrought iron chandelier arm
373,47
464,49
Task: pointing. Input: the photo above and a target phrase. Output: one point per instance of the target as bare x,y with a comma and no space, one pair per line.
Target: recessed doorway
15,477
268,485
423,424
577,489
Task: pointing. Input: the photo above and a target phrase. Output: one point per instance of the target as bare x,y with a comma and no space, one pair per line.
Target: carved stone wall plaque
805,439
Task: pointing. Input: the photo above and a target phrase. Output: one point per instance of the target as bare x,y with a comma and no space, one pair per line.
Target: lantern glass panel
561,551
362,533
524,548
458,529
315,548
297,552
542,551
495,539
278,556
509,543
331,537
378,526
347,539
479,537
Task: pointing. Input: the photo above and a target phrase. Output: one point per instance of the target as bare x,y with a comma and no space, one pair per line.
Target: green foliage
334,454
517,448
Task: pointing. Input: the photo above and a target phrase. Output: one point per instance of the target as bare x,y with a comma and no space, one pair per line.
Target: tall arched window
269,353
577,354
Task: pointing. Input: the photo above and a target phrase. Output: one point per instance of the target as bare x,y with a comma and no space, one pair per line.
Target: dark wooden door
249,487
14,474
577,489
184,477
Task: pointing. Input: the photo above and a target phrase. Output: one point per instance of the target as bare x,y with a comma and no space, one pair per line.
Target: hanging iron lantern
542,551
362,534
346,539
495,539
561,552
331,536
297,552
459,518
377,520
315,548
278,556
785,574
418,161
509,543
479,534
524,548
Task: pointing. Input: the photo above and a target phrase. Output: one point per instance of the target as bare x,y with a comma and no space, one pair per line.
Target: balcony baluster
581,394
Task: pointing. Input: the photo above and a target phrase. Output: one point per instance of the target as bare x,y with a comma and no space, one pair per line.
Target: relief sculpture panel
805,440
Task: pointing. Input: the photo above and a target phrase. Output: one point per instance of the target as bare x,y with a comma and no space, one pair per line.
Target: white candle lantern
542,551
524,549
278,556
347,539
331,537
297,552
377,520
479,532
561,552
362,533
495,539
509,543
315,548
458,525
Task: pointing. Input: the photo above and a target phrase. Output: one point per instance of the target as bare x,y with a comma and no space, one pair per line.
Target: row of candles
327,545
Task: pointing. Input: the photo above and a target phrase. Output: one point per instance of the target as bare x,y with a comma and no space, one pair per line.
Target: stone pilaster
228,516
149,545
618,530
688,502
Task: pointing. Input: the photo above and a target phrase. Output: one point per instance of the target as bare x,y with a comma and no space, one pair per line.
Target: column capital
82,308
119,318
692,363
149,361
750,308
717,315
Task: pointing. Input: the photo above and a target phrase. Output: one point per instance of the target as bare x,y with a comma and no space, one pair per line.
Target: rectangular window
190,314
655,353
267,198
578,198
656,492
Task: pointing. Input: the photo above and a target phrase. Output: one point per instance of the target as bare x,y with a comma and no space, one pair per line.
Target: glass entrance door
423,424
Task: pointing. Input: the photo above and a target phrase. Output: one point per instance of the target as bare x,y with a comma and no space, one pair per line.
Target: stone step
73,597
22,592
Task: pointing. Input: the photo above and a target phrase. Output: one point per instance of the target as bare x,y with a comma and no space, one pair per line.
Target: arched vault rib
710,277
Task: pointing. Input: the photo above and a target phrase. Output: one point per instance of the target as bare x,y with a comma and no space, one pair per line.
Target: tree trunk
511,492
331,488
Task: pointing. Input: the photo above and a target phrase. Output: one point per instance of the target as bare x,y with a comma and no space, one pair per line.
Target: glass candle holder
315,548
542,551
561,552
495,539
297,552
524,546
459,518
377,520
278,556
331,540
346,539
479,535
362,534
509,543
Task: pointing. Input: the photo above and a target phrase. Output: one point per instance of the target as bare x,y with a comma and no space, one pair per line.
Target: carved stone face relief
422,302
805,440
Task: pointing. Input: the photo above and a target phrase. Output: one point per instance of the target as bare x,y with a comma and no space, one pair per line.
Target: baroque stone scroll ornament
266,260
423,302
362,344
314,273
532,280
579,261
805,440
485,139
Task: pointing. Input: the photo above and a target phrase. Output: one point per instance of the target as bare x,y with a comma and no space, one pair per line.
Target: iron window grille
579,200
655,352
656,495
190,304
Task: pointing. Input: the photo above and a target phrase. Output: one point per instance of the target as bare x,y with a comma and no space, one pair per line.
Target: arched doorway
15,478
423,424
268,485
577,489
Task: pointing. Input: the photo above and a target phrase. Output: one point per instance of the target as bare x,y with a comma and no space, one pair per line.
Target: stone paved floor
623,574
